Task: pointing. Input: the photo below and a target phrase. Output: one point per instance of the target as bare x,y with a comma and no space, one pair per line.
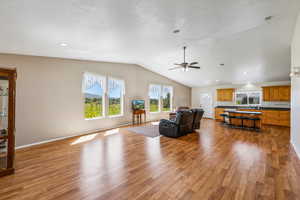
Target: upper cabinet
277,93
225,94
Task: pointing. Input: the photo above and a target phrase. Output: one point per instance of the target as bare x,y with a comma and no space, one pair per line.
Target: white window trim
94,118
122,98
103,97
159,98
248,92
171,98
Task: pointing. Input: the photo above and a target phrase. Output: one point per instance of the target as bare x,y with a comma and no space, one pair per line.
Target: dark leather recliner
198,114
172,115
182,125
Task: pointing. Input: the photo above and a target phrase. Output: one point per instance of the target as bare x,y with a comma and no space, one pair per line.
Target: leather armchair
198,114
182,125
172,115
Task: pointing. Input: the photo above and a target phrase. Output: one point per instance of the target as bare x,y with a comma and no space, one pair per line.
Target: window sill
166,111
250,105
155,112
115,116
95,118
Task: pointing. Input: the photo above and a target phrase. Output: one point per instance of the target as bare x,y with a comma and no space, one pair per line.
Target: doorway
206,103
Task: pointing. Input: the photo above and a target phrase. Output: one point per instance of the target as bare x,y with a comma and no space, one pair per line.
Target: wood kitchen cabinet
285,93
276,117
277,93
219,111
225,94
269,117
266,94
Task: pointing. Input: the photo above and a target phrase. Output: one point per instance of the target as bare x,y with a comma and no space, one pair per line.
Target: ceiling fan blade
194,67
194,63
178,64
174,68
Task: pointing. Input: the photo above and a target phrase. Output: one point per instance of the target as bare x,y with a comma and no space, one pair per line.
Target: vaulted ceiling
233,32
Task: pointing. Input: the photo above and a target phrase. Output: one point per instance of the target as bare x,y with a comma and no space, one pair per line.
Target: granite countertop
254,108
244,112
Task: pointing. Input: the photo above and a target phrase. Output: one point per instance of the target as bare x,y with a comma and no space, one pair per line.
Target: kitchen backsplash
264,104
276,104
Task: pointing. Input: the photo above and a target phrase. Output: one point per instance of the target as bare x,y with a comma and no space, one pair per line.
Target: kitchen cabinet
276,117
269,117
266,94
225,94
285,93
219,111
277,93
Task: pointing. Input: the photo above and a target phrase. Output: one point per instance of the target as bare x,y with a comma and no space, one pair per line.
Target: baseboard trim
74,135
296,150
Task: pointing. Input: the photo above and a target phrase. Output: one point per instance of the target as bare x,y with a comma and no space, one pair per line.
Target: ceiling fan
185,66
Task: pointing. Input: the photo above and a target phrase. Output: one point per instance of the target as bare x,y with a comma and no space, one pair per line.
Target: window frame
121,99
248,93
104,79
159,98
171,97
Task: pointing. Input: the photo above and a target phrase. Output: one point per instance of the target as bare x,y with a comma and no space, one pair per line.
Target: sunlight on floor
155,123
111,132
247,153
84,139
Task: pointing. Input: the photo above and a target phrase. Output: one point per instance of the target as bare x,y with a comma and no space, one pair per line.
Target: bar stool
242,118
224,116
230,118
254,119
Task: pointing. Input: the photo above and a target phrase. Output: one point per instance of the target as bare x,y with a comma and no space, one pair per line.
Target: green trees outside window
94,90
160,98
115,96
93,95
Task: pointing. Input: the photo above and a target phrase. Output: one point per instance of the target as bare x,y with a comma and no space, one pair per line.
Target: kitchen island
245,119
275,116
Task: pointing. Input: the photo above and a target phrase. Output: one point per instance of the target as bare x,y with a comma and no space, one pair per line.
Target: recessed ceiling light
176,31
63,44
217,80
268,18
245,73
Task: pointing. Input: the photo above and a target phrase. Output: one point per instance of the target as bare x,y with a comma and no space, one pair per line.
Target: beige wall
49,99
295,105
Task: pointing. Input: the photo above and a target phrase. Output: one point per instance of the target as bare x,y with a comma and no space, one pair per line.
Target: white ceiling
232,32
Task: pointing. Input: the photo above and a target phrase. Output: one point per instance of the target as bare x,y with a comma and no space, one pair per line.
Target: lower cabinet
275,117
269,117
219,111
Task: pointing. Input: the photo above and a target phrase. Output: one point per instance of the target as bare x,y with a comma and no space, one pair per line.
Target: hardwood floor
216,163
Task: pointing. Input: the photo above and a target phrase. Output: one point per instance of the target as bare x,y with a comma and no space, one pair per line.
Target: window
160,98
241,99
154,96
167,98
248,98
93,89
115,97
254,98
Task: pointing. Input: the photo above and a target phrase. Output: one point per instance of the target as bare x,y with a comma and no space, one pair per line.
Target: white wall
295,105
258,86
50,102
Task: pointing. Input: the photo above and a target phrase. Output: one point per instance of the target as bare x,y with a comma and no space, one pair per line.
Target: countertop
254,108
245,112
